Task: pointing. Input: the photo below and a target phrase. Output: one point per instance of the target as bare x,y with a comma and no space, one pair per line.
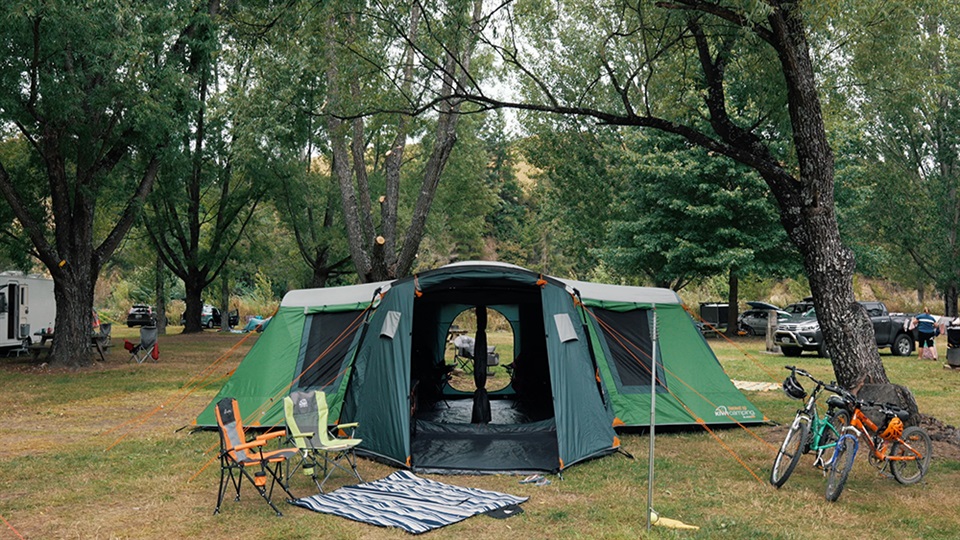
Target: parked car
753,322
803,333
800,307
210,317
141,315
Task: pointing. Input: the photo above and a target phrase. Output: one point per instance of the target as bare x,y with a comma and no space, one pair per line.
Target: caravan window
628,338
3,302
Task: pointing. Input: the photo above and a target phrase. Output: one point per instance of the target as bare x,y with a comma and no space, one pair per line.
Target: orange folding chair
238,456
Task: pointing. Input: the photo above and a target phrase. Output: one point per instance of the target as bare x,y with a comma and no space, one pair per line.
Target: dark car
802,333
141,315
753,322
210,317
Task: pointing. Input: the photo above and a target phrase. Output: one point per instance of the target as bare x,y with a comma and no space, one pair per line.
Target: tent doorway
459,352
477,421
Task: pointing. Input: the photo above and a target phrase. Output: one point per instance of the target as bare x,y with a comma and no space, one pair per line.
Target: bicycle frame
819,426
865,429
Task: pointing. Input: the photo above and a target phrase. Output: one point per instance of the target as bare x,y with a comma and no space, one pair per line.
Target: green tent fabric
580,368
260,383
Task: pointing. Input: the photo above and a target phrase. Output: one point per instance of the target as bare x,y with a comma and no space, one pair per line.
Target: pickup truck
802,333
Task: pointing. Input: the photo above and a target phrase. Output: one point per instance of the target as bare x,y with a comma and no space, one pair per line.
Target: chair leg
334,463
226,477
221,491
262,490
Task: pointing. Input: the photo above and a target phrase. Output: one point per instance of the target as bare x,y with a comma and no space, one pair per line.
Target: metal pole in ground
653,416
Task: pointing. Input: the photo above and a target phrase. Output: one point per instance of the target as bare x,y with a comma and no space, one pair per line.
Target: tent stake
653,419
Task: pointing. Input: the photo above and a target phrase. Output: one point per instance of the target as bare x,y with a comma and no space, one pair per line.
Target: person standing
926,330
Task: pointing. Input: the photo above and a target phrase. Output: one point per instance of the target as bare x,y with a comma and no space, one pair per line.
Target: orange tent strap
616,441
408,461
561,463
618,422
541,282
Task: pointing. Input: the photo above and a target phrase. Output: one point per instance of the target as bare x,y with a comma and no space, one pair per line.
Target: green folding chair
306,417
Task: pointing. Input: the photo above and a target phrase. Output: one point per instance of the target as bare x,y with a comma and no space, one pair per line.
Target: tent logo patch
741,411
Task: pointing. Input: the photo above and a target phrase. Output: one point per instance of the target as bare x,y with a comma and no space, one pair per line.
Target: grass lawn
92,454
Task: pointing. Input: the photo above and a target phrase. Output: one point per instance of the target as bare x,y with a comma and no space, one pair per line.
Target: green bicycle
809,431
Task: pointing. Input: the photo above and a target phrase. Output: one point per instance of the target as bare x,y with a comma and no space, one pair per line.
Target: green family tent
580,368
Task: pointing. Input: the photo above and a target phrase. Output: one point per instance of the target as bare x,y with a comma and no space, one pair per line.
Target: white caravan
27,306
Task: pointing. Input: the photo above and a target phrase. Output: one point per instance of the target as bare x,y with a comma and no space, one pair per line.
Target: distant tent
580,368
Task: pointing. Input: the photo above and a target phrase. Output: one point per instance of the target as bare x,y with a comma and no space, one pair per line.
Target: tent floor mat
485,451
460,411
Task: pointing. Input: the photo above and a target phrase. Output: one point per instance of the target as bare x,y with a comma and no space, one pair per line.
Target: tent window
327,344
565,327
390,324
628,337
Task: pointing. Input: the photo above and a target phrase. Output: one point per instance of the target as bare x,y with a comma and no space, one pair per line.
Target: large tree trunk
225,300
950,300
194,306
808,212
73,293
379,255
160,293
733,303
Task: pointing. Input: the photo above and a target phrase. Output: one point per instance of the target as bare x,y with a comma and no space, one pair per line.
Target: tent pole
653,418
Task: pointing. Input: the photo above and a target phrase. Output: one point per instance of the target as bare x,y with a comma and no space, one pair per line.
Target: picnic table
100,341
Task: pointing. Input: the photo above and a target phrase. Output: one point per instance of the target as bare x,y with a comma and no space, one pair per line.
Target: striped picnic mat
406,501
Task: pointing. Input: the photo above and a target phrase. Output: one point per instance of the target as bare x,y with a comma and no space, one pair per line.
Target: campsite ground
98,454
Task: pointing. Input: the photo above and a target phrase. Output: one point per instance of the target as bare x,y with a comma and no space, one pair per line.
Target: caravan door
11,312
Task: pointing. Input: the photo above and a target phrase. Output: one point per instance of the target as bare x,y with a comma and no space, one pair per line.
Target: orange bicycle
906,450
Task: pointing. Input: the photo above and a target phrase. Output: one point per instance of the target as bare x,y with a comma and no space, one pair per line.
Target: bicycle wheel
840,466
790,451
913,441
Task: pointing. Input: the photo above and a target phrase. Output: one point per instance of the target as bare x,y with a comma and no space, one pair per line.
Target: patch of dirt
946,438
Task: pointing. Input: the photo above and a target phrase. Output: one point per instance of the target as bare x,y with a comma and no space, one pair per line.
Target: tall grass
68,472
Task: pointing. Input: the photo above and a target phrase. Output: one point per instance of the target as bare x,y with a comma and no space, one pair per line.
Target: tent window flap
565,329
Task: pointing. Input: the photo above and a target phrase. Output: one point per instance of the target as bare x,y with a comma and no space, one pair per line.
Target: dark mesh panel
628,337
328,342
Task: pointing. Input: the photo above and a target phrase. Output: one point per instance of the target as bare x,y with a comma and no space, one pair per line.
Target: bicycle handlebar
829,386
886,407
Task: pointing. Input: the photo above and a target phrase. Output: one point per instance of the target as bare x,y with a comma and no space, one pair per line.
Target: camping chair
237,456
306,416
463,354
147,347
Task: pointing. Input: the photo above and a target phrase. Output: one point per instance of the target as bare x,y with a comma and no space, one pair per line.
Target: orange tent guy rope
189,388
620,339
348,331
15,531
696,418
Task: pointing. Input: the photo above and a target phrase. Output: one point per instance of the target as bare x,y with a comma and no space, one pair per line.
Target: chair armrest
256,443
272,435
307,435
346,426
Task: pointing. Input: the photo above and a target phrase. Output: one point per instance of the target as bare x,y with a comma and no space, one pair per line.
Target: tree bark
225,300
160,293
733,302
